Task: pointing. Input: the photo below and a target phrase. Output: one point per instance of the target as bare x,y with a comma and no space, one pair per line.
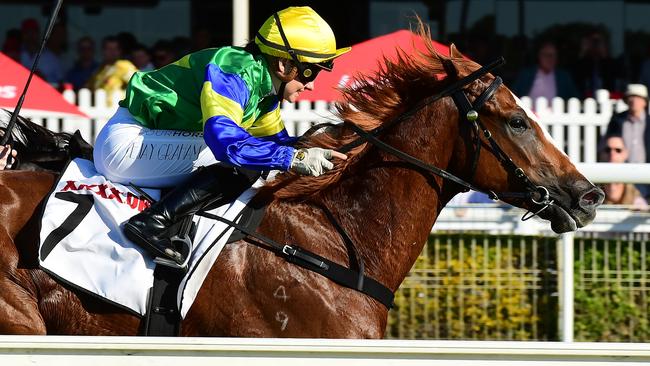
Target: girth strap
313,262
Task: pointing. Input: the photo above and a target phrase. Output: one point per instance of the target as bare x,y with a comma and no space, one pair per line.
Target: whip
6,139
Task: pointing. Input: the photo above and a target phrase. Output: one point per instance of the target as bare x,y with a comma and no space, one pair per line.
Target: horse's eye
518,124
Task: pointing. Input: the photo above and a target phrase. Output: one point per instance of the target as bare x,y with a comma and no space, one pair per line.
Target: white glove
312,161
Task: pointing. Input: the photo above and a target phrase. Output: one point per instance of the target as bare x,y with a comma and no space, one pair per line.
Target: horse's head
547,171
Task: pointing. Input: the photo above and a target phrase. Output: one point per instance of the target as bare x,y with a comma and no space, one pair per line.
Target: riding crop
14,116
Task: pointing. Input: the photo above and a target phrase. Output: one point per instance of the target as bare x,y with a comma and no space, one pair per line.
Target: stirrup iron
181,247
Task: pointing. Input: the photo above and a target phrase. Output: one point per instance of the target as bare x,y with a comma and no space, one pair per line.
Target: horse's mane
370,101
29,136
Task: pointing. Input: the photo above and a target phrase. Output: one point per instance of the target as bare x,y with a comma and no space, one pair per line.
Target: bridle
468,112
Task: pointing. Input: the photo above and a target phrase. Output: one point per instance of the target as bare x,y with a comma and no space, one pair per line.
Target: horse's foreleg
19,312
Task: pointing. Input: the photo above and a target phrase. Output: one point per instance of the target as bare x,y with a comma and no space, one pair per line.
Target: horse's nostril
592,198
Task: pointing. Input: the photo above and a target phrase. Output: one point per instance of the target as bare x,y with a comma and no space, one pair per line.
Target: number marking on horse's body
280,293
283,319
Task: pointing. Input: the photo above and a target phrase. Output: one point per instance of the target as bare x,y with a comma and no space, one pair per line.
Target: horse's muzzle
575,205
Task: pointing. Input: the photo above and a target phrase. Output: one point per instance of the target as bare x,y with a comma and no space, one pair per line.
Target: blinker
472,115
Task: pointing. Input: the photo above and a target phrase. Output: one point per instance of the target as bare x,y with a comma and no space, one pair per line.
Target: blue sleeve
223,94
232,144
282,138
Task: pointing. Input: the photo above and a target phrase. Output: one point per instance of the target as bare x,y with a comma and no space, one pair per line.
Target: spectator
631,126
4,154
545,79
114,72
163,54
85,65
141,58
12,46
613,151
49,65
595,69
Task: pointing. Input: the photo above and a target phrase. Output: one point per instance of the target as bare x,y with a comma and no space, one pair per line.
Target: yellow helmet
300,34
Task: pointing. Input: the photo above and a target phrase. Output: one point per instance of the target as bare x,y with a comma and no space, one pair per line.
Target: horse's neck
390,208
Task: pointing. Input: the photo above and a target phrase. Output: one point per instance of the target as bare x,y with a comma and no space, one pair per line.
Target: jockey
209,123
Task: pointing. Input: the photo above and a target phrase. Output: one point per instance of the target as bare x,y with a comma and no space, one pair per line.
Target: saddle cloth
82,243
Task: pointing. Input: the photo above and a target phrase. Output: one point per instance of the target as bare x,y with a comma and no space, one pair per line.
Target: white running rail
126,351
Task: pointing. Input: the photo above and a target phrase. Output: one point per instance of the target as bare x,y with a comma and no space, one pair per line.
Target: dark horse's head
435,130
41,149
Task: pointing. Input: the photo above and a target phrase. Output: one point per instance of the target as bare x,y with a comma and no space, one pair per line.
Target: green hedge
611,296
476,286
473,287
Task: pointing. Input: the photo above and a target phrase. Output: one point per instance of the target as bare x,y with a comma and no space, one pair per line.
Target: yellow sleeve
267,124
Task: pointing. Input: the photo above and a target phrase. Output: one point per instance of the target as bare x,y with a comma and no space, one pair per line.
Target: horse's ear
453,52
79,148
450,68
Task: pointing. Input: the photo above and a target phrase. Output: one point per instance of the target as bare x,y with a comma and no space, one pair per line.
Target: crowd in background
541,68
627,138
120,55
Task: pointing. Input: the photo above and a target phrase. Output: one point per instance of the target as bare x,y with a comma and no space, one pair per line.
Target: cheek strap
281,91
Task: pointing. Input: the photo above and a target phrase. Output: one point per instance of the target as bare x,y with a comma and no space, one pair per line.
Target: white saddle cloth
82,243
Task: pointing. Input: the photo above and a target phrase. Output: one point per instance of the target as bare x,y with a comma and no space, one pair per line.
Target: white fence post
240,22
565,286
590,148
573,142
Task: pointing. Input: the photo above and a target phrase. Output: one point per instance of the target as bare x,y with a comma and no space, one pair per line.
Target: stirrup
181,247
181,256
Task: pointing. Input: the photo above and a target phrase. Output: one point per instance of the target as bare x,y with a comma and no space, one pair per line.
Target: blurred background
483,29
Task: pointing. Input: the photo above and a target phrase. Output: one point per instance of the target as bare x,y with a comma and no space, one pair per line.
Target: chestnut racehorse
386,205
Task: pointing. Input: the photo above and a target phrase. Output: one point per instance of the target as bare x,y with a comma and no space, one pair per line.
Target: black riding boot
154,227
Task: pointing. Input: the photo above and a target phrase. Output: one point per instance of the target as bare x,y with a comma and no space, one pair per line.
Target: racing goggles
307,72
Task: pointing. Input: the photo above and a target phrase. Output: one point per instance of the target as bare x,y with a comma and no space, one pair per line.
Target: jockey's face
293,89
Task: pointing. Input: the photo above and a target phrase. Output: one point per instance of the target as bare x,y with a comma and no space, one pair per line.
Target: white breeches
127,152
